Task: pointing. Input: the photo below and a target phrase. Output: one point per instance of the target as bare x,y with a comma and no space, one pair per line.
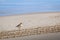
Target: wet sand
50,36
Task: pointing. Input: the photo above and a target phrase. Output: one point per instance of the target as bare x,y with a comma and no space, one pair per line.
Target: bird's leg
19,28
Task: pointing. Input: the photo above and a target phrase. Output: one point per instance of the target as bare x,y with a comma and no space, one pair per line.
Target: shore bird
19,25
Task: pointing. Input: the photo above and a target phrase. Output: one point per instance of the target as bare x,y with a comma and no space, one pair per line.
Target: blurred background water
10,7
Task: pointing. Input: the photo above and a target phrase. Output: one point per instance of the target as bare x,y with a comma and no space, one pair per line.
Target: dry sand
29,20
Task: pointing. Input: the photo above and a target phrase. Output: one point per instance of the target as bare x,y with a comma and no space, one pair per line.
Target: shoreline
32,13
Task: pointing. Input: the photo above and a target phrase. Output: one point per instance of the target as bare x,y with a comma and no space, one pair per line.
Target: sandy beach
50,36
29,20
9,23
